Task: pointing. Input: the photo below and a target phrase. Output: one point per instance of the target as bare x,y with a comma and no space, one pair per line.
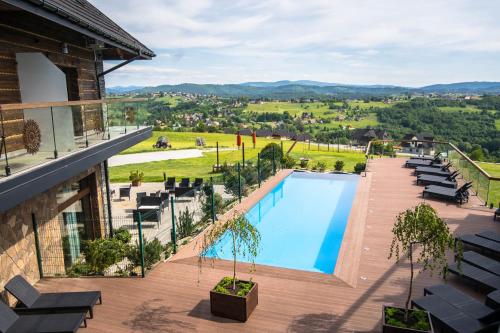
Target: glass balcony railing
34,133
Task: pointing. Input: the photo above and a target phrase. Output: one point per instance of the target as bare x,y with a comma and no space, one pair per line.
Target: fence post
37,245
213,199
173,236
164,176
141,243
3,146
488,192
239,182
274,162
258,168
53,131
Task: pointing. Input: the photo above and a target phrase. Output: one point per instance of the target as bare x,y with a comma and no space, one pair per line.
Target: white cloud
283,36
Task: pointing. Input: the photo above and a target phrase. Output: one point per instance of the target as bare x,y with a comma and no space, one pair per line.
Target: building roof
82,16
368,134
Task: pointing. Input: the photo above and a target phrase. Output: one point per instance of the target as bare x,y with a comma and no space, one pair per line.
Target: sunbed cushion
483,262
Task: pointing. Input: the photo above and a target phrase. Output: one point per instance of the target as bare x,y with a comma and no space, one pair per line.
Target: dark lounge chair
424,179
413,163
12,322
452,319
184,182
184,192
198,182
491,235
481,243
138,197
459,195
476,275
125,192
480,261
443,171
147,215
31,300
170,184
458,299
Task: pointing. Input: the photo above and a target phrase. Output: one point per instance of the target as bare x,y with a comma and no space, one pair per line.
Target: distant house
245,131
362,136
418,143
283,134
263,133
302,137
228,131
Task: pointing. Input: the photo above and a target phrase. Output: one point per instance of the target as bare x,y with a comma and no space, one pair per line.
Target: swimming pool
302,221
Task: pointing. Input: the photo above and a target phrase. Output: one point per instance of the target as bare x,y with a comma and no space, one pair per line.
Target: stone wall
17,242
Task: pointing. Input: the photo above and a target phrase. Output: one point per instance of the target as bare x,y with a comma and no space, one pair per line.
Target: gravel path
159,156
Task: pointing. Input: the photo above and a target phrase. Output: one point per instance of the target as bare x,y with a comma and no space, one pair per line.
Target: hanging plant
31,136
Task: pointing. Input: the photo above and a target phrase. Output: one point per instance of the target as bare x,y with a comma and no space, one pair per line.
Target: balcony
42,144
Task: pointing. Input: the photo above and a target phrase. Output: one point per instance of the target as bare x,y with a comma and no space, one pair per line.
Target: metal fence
145,228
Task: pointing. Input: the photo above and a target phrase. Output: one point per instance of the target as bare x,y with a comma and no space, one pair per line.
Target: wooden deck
170,299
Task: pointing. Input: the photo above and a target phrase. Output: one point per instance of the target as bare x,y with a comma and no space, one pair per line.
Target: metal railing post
137,116
85,126
108,197
217,148
141,243
213,199
4,146
173,235
37,245
239,182
258,168
488,192
53,131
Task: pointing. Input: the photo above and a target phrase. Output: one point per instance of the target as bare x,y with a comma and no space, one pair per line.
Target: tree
244,237
422,226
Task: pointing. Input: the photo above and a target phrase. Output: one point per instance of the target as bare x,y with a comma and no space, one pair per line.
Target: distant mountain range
309,89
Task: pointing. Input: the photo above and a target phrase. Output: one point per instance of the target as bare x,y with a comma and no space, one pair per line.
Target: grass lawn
469,108
497,124
493,169
202,166
172,100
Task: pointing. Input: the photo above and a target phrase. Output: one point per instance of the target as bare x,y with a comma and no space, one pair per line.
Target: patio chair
150,201
187,192
125,192
148,214
138,197
31,300
12,322
480,261
458,299
497,213
459,195
453,319
198,182
170,184
164,196
477,276
184,182
481,243
491,235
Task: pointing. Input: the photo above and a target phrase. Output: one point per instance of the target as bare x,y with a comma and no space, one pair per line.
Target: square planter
232,306
386,328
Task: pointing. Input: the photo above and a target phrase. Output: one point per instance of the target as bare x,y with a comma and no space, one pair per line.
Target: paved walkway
160,156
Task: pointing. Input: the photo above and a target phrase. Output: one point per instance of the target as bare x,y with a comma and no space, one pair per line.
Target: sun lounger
491,235
12,322
459,195
30,299
476,275
481,243
452,318
413,163
458,299
442,171
170,184
480,261
436,180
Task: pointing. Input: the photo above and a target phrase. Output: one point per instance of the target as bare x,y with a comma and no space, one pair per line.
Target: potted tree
136,177
231,297
420,227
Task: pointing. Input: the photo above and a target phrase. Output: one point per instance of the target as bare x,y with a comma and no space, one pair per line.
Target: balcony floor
169,299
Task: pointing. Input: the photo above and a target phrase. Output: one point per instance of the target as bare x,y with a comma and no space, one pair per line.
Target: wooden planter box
136,183
232,306
386,328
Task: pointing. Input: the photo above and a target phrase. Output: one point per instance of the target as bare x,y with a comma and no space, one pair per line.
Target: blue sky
400,42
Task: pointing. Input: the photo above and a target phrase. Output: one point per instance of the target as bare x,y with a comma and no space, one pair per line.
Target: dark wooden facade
24,32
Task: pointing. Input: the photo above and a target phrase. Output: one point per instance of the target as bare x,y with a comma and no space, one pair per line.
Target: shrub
359,167
304,162
267,152
136,176
100,254
207,206
320,166
339,165
288,162
123,235
231,183
250,174
185,223
152,253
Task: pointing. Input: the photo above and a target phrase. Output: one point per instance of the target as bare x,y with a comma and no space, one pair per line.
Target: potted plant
231,297
420,227
136,177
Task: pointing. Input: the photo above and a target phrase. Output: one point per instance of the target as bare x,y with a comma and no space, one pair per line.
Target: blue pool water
301,222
